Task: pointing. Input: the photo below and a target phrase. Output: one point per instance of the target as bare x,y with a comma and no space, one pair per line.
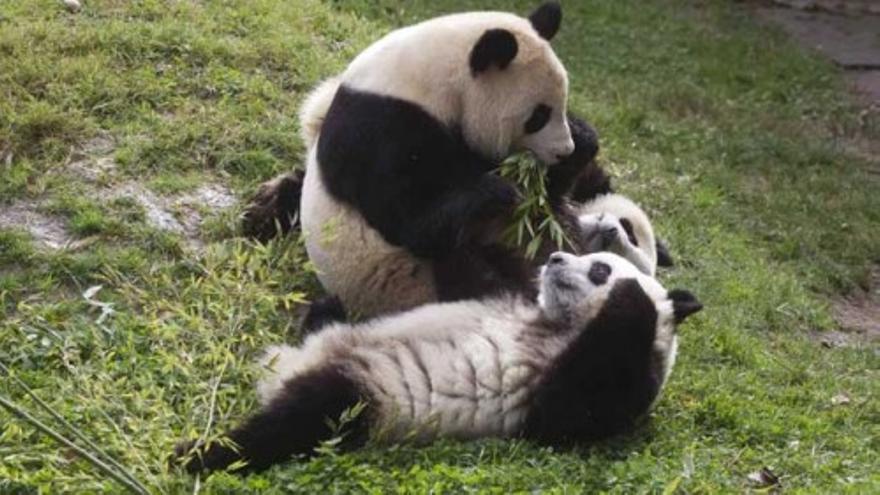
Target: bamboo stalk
98,463
122,469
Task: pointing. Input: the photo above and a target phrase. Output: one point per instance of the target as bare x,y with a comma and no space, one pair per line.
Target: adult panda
400,203
582,362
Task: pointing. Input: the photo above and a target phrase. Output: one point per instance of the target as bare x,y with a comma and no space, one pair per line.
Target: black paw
193,457
586,140
609,236
664,259
494,211
186,456
500,194
322,312
577,173
274,209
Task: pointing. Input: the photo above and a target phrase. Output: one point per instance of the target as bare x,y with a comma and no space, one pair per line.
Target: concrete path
846,31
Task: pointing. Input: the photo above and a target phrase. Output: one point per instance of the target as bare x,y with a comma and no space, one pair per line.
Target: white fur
353,261
314,109
427,64
605,211
463,369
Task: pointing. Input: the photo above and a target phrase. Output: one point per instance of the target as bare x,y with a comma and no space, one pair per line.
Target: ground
131,134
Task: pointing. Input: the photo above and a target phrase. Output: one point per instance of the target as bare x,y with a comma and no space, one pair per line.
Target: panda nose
556,259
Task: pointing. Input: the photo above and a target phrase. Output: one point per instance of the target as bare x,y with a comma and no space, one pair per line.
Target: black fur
292,424
663,256
474,272
496,47
684,304
603,382
630,231
415,182
274,209
546,19
590,184
322,312
599,273
577,173
539,118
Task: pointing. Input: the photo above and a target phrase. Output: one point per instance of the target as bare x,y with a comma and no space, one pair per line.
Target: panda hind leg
295,422
274,208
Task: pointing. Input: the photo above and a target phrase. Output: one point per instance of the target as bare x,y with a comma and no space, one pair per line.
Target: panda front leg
274,208
474,214
293,423
616,240
577,176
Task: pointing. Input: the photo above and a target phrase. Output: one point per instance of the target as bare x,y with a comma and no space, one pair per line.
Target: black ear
495,47
684,304
663,256
546,19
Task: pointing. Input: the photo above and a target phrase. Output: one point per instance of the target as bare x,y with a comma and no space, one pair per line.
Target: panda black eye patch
539,118
599,273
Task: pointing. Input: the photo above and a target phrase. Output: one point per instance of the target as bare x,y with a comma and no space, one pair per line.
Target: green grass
733,139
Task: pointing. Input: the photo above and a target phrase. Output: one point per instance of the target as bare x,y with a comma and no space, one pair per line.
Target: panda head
516,93
603,292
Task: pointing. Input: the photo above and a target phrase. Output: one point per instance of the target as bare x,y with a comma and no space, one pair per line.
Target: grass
735,141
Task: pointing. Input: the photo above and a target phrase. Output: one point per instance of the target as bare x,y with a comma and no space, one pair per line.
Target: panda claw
274,208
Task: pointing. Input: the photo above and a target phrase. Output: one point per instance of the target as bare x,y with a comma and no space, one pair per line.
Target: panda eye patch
599,273
539,118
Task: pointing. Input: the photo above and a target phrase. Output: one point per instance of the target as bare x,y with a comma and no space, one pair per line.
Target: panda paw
493,209
586,140
185,456
613,235
274,208
500,194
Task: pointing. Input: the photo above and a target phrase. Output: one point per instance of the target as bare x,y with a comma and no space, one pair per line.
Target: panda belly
447,371
352,259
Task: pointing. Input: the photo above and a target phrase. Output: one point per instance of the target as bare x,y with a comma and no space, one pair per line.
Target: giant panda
612,222
400,203
581,362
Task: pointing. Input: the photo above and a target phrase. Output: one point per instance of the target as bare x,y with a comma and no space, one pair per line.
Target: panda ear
684,304
496,47
546,19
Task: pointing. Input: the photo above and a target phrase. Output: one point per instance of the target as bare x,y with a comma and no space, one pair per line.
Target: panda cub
612,222
581,363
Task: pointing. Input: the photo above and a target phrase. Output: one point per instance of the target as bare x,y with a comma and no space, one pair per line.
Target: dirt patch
93,163
47,231
858,315
182,214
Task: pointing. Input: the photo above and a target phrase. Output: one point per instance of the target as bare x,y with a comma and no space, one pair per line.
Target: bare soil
93,163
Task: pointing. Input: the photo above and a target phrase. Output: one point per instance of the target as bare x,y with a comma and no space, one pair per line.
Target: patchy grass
730,137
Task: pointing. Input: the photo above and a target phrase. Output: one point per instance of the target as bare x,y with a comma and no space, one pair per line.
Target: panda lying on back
581,363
